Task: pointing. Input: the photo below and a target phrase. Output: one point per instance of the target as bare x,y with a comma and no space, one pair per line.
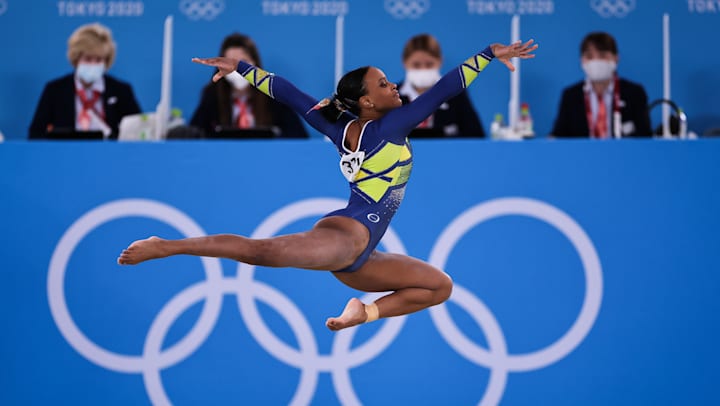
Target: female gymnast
368,124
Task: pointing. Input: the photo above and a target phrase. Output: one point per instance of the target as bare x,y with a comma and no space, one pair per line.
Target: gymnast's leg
333,243
416,285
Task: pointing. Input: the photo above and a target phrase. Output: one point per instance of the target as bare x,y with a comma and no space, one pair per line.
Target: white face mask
422,78
237,81
598,70
90,72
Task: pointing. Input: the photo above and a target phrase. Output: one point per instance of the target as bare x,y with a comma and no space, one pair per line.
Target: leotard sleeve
285,92
402,120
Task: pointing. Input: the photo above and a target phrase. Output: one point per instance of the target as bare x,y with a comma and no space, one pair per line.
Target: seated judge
603,105
231,103
422,59
88,99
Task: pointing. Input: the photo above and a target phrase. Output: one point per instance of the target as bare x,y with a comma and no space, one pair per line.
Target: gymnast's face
382,95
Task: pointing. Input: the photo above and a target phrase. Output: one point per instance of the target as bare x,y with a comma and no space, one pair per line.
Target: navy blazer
456,117
56,108
571,120
207,114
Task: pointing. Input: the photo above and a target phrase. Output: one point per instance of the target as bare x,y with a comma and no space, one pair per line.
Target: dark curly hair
349,91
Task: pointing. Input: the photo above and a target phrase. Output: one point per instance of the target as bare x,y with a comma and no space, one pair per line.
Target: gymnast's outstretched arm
403,119
274,86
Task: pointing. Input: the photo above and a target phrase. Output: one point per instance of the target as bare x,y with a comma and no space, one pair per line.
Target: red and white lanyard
244,115
88,105
616,117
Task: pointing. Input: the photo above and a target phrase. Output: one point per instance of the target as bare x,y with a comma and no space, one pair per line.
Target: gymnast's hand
223,64
515,50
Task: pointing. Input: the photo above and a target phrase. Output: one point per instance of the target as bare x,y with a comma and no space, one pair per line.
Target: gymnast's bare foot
142,250
353,315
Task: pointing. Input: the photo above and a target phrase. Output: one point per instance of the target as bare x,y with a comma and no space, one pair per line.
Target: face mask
598,70
90,72
422,78
237,81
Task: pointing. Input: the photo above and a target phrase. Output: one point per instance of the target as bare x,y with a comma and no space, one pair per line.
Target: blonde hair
92,38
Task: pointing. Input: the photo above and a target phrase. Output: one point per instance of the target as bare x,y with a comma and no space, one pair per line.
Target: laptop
426,133
241,134
73,134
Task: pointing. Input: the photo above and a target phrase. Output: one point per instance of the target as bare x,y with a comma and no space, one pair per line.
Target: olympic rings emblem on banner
307,358
202,9
613,8
402,9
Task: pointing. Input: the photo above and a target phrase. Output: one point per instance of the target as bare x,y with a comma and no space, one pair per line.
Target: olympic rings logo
402,9
613,8
307,358
202,9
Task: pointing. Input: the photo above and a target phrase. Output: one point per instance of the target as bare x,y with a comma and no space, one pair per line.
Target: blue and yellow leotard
378,186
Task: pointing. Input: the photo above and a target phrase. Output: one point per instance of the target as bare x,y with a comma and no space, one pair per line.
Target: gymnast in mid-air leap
369,126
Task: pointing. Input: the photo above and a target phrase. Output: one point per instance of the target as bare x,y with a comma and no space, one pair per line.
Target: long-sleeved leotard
380,168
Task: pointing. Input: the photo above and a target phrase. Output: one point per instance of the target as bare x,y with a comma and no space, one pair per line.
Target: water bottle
145,131
525,123
176,118
496,127
682,130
